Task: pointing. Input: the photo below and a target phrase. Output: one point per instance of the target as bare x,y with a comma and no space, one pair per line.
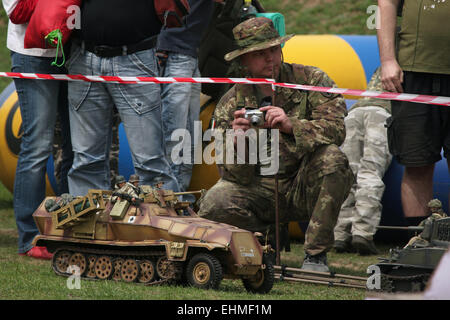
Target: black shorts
417,132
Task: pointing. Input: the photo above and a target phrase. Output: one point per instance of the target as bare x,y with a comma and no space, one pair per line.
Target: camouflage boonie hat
435,203
255,34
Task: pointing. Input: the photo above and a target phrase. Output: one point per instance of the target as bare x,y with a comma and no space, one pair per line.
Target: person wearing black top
117,38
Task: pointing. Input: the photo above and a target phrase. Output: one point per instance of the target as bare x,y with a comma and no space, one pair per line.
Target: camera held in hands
257,117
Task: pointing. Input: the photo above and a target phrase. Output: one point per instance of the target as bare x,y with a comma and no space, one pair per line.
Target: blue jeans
139,107
180,108
38,100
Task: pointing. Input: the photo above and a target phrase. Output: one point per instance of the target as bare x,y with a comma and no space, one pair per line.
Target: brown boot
363,246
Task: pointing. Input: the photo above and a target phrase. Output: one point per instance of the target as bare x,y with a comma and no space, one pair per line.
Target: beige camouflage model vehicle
150,239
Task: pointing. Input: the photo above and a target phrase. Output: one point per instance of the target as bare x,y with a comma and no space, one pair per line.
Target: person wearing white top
38,100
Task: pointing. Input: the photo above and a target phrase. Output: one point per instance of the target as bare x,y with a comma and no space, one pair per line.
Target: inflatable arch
350,62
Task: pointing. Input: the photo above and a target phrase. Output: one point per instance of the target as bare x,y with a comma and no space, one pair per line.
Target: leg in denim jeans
139,106
38,105
90,118
90,110
181,107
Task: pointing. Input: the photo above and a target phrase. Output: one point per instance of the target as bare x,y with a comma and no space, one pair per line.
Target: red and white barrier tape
435,100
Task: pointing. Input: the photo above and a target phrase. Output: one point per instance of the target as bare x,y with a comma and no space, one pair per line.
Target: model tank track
101,264
396,283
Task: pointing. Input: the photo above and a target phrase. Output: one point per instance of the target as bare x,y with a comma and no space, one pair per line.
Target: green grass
323,16
5,60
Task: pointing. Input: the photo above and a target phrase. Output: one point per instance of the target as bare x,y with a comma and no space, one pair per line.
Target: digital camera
255,117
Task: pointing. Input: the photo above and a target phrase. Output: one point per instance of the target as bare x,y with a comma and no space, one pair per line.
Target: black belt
109,51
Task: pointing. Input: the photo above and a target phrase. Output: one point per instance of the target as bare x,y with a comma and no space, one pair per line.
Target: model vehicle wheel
104,267
204,271
164,268
130,270
79,260
262,281
90,273
118,262
148,271
61,260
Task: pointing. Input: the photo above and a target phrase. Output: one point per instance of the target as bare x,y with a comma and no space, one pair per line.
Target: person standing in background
416,132
177,49
117,38
366,148
38,102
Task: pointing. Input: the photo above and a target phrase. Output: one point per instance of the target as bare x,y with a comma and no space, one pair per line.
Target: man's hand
392,76
239,121
276,118
391,73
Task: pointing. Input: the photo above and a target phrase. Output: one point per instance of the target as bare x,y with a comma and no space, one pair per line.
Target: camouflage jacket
374,85
317,118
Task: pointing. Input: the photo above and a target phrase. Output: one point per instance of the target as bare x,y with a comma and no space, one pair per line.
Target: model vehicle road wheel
148,271
262,281
165,268
204,271
79,260
104,267
118,262
129,270
90,273
61,260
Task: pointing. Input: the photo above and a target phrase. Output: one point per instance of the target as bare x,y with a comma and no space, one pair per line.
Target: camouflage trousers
367,150
315,192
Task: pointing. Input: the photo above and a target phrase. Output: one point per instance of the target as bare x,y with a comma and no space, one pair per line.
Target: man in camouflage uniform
367,150
314,175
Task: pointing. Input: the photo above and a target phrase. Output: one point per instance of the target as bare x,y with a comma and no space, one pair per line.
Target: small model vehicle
150,239
408,269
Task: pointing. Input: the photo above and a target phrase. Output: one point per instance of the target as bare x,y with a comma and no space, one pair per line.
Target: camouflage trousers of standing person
367,150
315,192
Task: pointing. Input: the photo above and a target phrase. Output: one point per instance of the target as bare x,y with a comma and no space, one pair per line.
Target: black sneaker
363,246
316,263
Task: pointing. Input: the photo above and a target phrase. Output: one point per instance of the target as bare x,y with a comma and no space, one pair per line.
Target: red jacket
23,11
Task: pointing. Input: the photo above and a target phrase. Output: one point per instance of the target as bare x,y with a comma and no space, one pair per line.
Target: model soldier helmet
49,204
158,181
134,178
120,179
67,197
435,203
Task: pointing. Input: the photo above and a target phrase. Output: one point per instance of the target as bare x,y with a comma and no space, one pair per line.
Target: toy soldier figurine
126,189
314,176
437,213
435,206
159,183
120,181
134,181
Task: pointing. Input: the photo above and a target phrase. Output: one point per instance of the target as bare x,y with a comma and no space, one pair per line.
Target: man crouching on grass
314,176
